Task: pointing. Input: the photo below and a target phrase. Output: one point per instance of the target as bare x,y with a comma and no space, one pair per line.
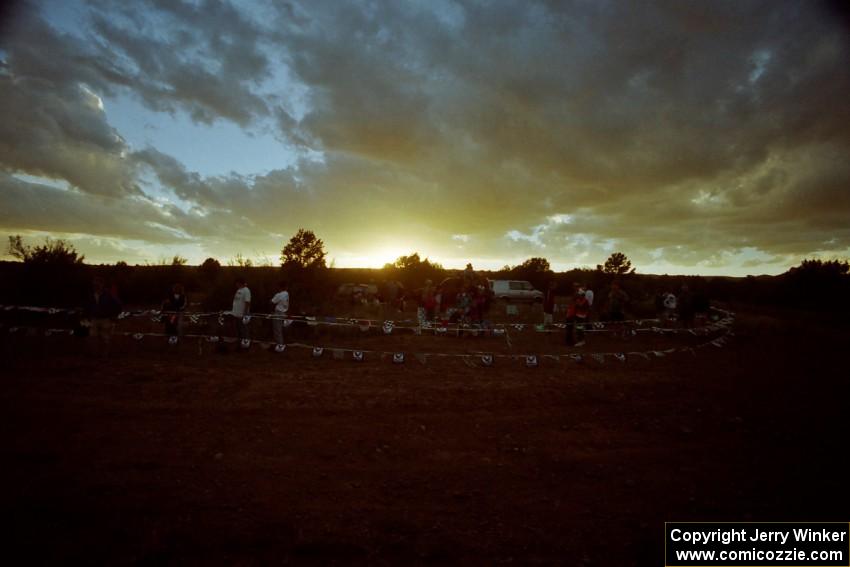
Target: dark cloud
37,207
680,132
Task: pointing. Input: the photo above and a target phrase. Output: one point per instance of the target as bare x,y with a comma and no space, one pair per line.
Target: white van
515,290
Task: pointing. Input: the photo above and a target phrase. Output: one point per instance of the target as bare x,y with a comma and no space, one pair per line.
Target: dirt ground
168,456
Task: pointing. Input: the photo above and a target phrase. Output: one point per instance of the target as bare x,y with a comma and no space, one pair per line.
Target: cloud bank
706,138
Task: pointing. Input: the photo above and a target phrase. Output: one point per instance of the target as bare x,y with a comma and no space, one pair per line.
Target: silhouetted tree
211,265
534,265
179,261
304,250
52,273
536,270
818,284
617,264
54,252
412,262
412,270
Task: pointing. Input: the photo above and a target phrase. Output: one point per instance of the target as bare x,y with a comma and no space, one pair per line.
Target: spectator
241,309
391,291
174,306
482,302
468,275
577,317
281,309
686,306
617,299
549,304
102,309
588,295
669,306
428,300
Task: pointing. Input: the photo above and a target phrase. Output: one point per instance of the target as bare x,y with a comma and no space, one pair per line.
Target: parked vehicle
515,290
357,292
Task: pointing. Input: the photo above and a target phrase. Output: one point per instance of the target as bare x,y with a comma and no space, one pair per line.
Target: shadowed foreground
255,458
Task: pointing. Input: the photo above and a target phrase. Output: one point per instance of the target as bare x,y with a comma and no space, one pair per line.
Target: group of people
241,311
577,315
463,301
103,307
466,301
681,308
579,309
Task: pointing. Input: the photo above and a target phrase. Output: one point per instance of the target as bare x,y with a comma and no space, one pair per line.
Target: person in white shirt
669,307
241,308
281,308
588,295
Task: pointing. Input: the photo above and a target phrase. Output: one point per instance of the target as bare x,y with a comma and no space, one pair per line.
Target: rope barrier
388,326
484,358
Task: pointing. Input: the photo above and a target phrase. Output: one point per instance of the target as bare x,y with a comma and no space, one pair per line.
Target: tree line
54,273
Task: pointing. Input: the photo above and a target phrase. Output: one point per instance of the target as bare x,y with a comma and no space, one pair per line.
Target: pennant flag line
485,359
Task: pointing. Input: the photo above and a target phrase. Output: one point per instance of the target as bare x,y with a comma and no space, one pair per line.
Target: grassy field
162,456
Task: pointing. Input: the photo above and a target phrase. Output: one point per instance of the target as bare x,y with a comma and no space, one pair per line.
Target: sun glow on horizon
376,258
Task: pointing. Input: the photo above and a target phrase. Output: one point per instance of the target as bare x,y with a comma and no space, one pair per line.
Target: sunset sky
696,137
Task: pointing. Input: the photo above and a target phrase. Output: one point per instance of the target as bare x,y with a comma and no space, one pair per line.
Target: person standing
617,299
281,309
102,310
670,304
549,304
174,307
686,306
241,309
468,275
577,317
428,300
588,295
